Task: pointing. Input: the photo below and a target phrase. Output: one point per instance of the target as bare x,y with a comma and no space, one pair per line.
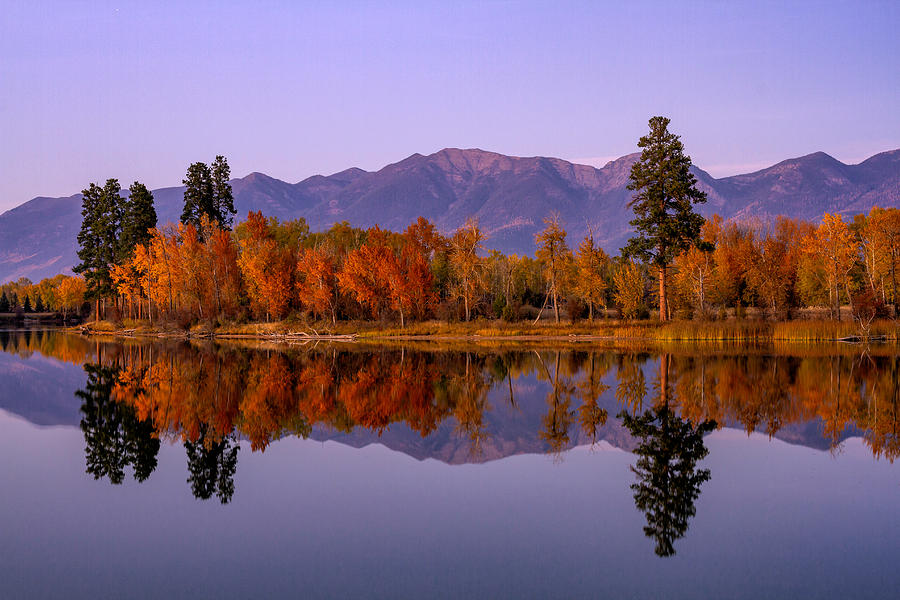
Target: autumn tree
466,264
267,268
363,275
665,192
316,282
71,291
556,257
833,247
731,257
772,268
629,288
591,264
880,241
694,268
220,259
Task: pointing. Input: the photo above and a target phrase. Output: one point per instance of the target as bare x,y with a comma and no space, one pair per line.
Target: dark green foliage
4,303
666,191
139,216
223,199
208,193
198,195
26,306
211,466
14,301
98,240
498,305
113,435
668,479
39,305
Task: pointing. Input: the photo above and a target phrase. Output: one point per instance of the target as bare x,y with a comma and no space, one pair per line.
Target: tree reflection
115,438
590,388
211,466
469,402
668,480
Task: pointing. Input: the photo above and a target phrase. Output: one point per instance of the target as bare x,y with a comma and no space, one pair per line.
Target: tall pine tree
223,199
207,192
665,192
198,194
138,217
98,240
4,303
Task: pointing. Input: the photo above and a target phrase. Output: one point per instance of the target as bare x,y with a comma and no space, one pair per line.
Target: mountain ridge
510,195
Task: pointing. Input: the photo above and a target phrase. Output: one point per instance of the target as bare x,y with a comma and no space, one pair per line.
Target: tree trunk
663,299
555,304
893,283
466,302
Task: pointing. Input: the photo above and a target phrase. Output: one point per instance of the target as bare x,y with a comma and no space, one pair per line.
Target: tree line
677,263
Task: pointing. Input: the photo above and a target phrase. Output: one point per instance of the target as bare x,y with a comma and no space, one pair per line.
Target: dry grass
745,330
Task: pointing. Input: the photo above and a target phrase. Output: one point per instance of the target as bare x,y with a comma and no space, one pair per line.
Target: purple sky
137,90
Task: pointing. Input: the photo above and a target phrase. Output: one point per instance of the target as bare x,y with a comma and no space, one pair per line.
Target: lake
161,469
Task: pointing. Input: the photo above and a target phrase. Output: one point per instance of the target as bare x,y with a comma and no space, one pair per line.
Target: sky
139,90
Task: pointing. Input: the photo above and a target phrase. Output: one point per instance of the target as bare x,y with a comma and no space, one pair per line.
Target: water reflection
211,465
668,480
465,403
114,437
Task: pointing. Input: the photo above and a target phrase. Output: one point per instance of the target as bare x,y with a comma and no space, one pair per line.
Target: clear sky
138,90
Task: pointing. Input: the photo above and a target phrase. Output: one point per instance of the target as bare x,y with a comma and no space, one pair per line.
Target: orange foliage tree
267,268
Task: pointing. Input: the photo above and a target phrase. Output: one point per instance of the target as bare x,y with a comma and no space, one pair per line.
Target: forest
270,270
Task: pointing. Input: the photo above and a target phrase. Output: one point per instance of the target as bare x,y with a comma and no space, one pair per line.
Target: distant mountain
509,195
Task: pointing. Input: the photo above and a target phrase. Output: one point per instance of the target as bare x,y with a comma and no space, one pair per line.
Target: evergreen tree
223,199
138,217
98,239
198,194
39,305
666,191
4,303
14,302
208,193
27,305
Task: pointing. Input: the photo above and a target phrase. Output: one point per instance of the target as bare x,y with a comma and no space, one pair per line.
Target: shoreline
744,331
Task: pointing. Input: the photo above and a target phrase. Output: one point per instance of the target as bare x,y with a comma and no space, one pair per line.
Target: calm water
173,469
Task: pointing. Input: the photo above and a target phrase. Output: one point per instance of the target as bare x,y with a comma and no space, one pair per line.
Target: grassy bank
725,331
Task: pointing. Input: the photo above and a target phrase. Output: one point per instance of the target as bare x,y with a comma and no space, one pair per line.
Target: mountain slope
509,195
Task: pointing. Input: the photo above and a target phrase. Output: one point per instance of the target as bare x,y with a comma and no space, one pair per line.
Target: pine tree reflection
115,438
211,466
668,481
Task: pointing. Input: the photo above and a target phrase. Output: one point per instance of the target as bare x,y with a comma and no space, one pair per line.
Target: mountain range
509,195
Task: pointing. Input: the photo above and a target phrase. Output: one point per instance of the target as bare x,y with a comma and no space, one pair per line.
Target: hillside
509,195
